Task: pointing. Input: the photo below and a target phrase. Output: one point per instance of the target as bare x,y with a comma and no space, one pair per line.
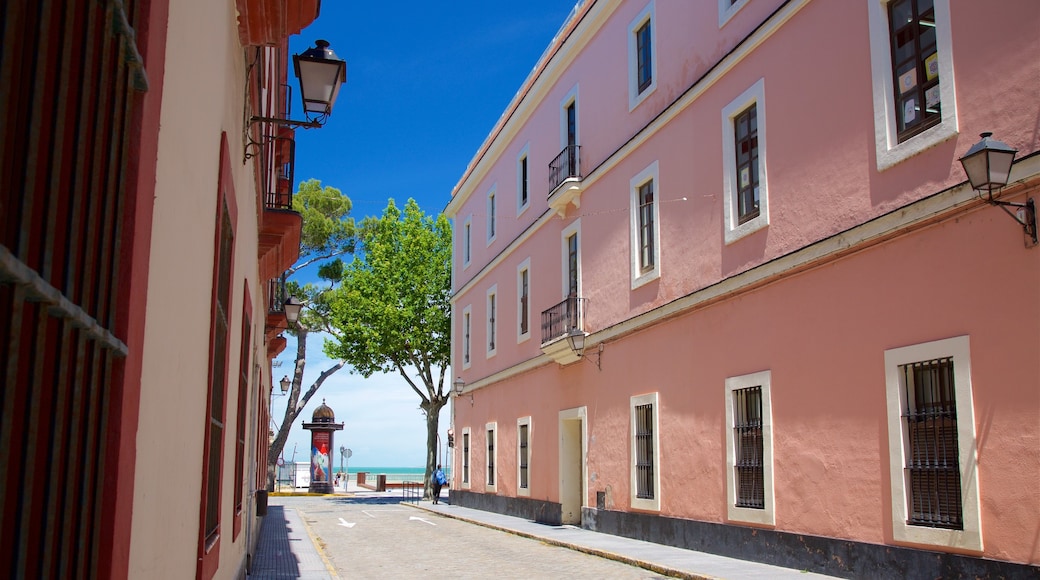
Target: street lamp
988,165
321,74
460,385
292,308
284,384
576,340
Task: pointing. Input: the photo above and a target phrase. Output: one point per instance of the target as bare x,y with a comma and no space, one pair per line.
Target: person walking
438,482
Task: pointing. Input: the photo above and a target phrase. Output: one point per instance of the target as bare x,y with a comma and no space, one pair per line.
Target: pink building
807,340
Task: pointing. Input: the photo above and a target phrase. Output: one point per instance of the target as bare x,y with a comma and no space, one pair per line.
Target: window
645,236
744,153
489,484
642,65
242,410
465,458
492,315
749,449
646,484
522,182
572,260
218,370
467,238
727,8
523,452
523,307
932,451
491,216
911,52
747,435
467,333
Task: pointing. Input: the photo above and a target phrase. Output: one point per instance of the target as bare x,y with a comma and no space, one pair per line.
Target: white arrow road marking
345,523
421,520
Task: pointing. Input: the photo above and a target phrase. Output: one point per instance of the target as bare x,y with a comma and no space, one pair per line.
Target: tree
328,234
392,309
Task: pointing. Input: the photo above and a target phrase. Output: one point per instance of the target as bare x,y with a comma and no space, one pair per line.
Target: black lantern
576,338
292,308
988,165
460,385
321,74
284,384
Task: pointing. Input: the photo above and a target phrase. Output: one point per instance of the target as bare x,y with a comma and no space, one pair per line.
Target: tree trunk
295,405
433,414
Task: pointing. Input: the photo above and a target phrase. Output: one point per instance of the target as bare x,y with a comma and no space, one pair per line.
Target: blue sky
426,82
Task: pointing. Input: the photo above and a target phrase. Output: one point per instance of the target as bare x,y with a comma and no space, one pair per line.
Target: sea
393,474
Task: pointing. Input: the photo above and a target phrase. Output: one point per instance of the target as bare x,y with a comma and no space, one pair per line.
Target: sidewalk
666,560
286,549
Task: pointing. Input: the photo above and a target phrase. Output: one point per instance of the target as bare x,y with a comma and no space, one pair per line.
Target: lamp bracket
308,124
599,356
1027,213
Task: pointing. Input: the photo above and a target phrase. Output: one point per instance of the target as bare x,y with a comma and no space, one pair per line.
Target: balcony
565,178
276,295
280,226
557,323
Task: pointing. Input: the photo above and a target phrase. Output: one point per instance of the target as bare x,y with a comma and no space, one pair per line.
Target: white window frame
574,228
467,458
651,173
525,155
970,538
886,139
492,217
754,95
643,503
727,10
467,241
524,421
491,326
489,459
766,516
568,99
524,266
467,336
635,97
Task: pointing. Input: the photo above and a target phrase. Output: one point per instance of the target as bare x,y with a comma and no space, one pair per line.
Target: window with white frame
642,57
523,456
491,218
523,303
746,204
467,239
932,444
467,336
911,58
571,259
492,320
466,438
490,482
645,214
727,8
749,449
523,190
646,479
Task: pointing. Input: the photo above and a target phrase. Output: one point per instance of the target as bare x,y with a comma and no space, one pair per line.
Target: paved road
378,538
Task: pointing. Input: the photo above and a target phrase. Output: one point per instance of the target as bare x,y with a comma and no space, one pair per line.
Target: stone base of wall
831,556
545,512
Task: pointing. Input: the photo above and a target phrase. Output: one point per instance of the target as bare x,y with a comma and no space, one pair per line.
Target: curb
653,567
317,547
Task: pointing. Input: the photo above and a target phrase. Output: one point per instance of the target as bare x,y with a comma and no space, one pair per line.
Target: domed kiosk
322,426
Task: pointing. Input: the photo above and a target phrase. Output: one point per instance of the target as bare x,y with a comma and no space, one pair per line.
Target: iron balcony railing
279,161
567,165
276,295
559,320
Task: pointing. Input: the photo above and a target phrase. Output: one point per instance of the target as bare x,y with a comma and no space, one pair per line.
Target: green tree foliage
392,310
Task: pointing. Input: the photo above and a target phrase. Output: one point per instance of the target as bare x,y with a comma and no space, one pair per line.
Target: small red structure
322,425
